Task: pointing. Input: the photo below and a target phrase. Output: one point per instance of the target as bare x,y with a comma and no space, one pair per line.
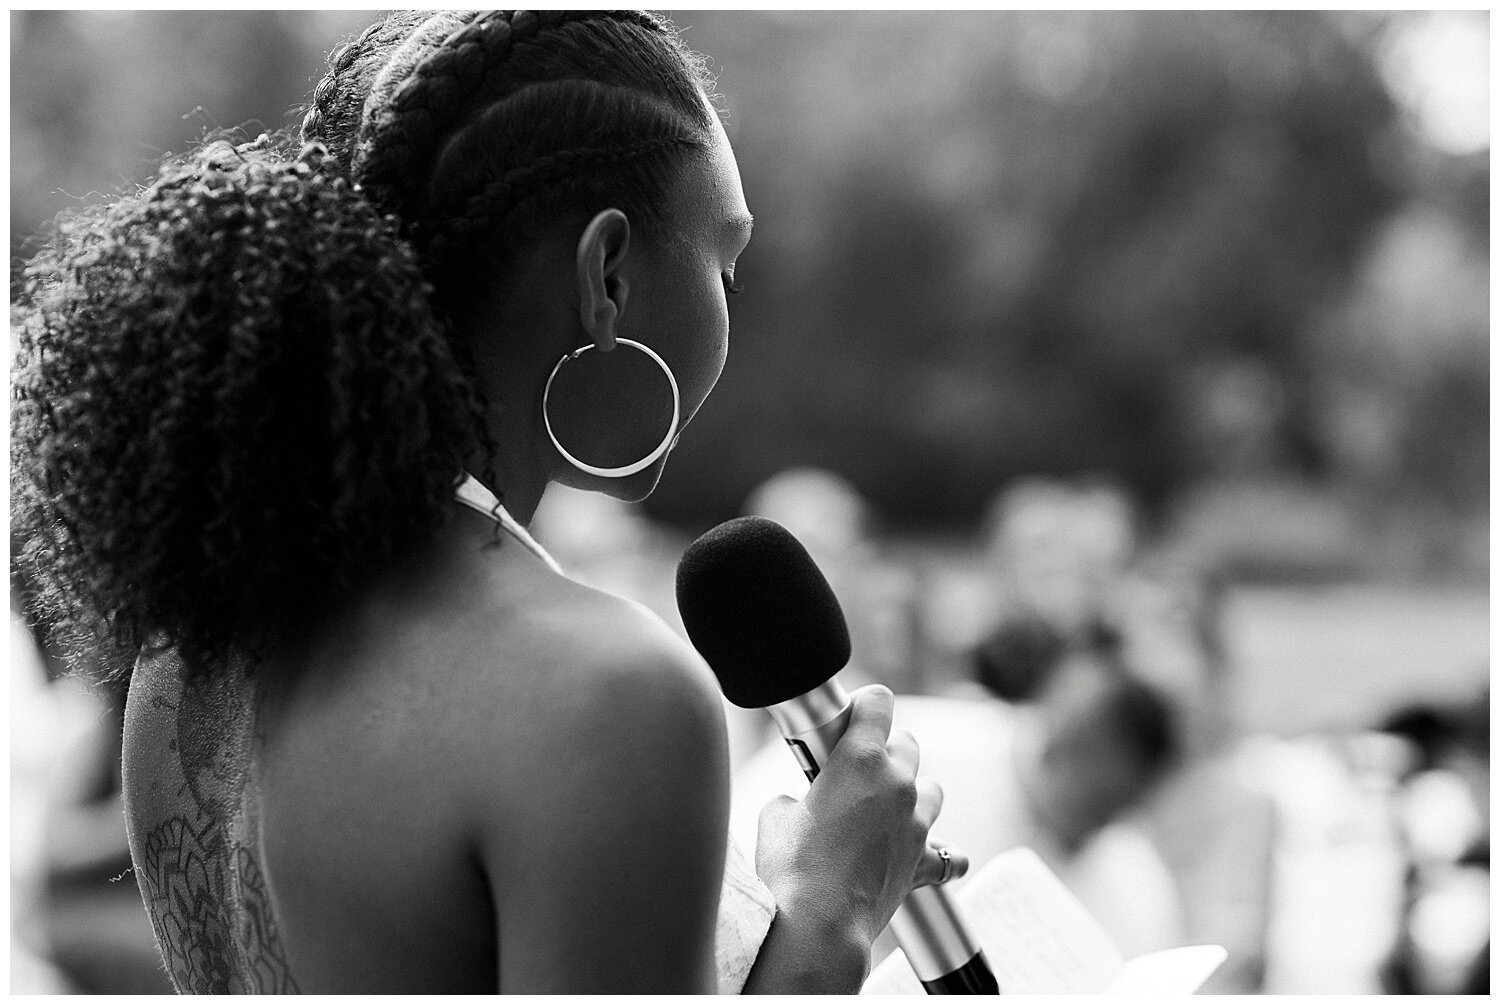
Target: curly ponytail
232,404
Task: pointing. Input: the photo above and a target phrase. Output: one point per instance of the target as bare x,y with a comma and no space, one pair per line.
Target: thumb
871,710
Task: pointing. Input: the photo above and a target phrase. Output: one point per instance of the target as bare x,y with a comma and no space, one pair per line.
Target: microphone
761,613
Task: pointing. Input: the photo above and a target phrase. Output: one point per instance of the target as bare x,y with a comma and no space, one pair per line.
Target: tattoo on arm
204,889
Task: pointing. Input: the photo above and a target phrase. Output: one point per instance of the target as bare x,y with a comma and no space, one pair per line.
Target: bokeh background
1174,323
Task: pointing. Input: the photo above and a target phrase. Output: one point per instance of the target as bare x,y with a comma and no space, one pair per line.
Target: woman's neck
516,340
520,469
519,489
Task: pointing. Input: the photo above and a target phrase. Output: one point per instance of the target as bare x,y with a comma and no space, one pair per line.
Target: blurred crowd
1070,686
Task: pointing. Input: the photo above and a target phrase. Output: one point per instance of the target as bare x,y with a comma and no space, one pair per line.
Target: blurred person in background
1072,572
1213,820
267,409
1016,659
1102,744
1058,549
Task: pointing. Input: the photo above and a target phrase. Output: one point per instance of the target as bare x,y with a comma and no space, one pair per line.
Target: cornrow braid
488,207
412,108
337,107
326,95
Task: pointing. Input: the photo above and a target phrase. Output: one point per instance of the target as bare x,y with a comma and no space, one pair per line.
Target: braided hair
243,392
479,130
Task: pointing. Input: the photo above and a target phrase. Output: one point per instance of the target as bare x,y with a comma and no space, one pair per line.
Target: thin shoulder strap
473,494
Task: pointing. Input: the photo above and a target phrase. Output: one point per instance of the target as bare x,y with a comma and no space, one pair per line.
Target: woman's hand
841,859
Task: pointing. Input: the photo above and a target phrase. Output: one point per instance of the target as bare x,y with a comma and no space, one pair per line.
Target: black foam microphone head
758,609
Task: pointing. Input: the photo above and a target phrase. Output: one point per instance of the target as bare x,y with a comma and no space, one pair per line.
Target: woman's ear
601,281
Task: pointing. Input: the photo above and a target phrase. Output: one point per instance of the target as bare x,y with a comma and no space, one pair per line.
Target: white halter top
746,907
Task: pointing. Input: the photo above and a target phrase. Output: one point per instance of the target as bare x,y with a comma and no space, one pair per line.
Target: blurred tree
994,243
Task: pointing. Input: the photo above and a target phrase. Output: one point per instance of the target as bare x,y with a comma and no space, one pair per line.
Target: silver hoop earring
644,462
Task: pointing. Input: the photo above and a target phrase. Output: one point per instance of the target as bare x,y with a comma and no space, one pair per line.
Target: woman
375,740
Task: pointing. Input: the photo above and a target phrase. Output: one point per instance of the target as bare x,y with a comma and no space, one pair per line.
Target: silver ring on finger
947,857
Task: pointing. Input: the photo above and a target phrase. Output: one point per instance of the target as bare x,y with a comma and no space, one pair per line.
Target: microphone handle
947,959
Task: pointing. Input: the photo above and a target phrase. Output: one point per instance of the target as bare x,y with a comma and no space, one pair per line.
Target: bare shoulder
585,687
576,656
624,657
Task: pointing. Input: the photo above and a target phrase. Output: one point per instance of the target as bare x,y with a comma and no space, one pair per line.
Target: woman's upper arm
607,867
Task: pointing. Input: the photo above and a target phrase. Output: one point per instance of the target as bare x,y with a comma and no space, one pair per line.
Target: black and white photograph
754,501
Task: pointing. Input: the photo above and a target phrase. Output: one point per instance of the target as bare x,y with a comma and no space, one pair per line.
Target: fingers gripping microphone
759,610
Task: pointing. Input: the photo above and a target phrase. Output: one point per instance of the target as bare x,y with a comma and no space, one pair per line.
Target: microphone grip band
973,978
942,953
